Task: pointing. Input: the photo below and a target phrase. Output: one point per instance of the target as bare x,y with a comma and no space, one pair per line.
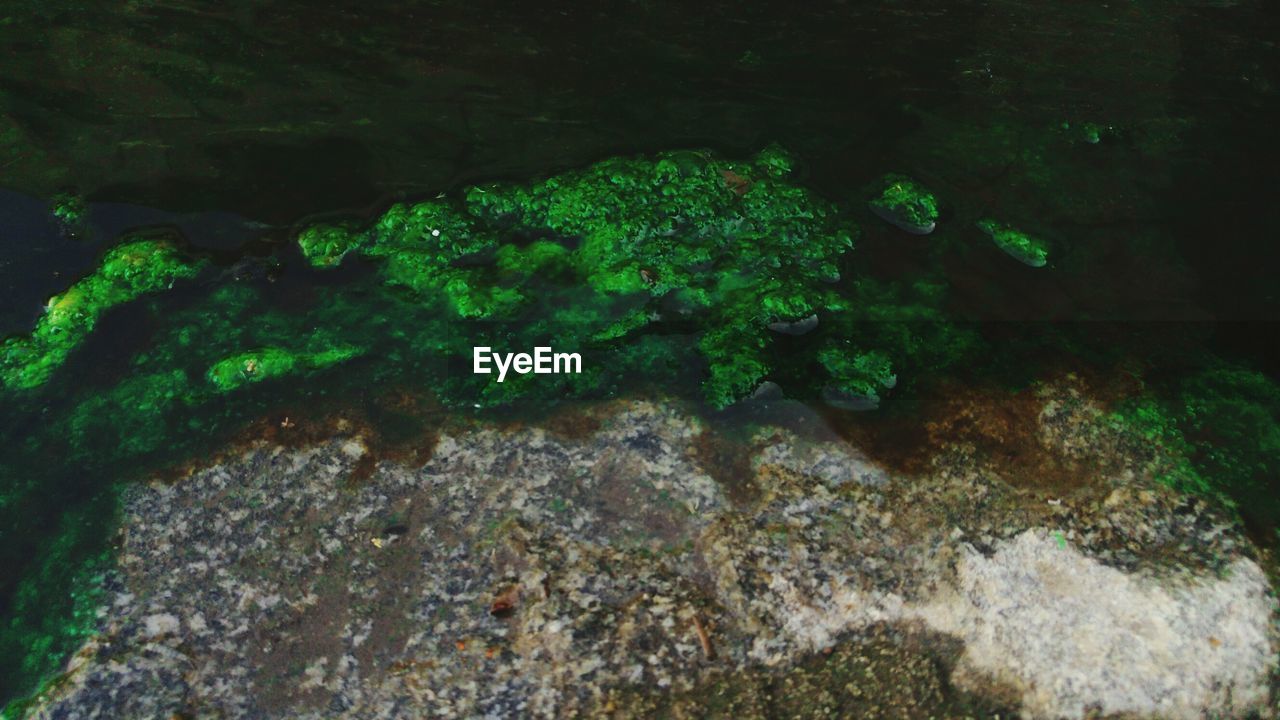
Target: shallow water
1128,137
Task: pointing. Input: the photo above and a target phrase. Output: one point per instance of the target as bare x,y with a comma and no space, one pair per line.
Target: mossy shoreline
668,268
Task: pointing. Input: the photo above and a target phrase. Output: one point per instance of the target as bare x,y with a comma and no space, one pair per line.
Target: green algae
127,272
858,377
590,259
70,211
726,247
1022,247
265,363
1217,433
326,245
54,607
1090,133
906,204
667,266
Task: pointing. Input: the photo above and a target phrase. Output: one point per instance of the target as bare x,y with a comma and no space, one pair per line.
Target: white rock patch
160,624
1075,635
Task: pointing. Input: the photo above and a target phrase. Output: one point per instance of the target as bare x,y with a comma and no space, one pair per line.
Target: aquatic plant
54,608
128,271
70,211
1024,248
906,204
728,251
1221,427
326,245
263,363
730,247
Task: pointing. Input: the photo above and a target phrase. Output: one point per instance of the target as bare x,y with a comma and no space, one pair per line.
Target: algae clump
1022,247
858,377
1217,433
600,255
127,272
730,258
906,204
264,363
71,212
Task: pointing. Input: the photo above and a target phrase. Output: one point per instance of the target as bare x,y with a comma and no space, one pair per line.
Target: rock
845,400
1076,636
906,205
795,327
1024,248
766,391
536,575
160,625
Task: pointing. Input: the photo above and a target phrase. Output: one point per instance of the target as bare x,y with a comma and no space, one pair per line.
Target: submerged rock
795,327
859,376
766,391
906,205
1022,247
130,270
845,400
521,573
69,210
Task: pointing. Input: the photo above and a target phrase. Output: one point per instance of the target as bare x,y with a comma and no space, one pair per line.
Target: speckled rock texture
522,573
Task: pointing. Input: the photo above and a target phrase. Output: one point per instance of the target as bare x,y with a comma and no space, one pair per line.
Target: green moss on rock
1024,248
906,204
127,272
272,362
326,245
1217,433
857,377
71,212
604,252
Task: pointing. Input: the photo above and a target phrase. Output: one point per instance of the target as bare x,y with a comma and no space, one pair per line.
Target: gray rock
899,221
519,573
846,400
767,391
795,327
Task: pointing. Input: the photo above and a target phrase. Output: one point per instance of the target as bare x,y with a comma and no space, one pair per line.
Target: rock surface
524,573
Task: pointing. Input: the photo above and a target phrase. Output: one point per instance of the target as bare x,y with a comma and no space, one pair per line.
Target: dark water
234,124
272,115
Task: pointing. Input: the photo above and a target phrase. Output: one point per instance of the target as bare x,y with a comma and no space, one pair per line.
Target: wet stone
537,575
